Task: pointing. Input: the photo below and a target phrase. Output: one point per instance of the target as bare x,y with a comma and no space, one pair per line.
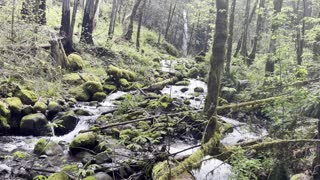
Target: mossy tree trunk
301,31
129,30
257,36
269,68
139,24
230,37
244,50
112,18
73,20
65,19
88,21
217,63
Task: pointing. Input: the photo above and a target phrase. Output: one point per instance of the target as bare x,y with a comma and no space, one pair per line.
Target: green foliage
40,177
20,155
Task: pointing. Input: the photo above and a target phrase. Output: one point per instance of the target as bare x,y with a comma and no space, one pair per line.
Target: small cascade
51,125
185,34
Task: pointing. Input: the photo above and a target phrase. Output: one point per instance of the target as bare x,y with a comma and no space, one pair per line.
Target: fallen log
280,143
160,85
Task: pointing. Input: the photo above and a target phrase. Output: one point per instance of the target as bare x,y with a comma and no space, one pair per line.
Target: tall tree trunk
120,4
301,32
169,20
112,19
216,62
73,20
65,19
257,37
269,69
244,51
239,44
230,37
88,20
139,25
129,31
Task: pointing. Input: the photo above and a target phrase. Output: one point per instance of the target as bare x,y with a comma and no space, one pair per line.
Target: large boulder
15,104
34,124
87,140
75,62
40,107
54,108
118,73
67,122
47,147
27,97
92,87
99,96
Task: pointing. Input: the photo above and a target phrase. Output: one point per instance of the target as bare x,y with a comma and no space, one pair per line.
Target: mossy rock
20,155
75,62
27,97
34,124
90,178
118,73
199,89
99,96
193,72
59,176
47,147
170,49
4,111
15,104
4,124
75,79
54,108
183,83
184,89
123,82
109,88
8,88
68,121
82,112
84,140
80,94
40,107
92,87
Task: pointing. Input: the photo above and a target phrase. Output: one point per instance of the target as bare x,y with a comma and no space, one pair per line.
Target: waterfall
52,128
185,34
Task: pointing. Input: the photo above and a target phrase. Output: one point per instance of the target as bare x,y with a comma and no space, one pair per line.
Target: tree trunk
129,31
65,19
112,18
269,69
88,20
230,38
301,32
244,51
169,20
42,12
217,62
257,37
139,24
73,20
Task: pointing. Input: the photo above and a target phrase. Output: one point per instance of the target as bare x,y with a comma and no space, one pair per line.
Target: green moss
183,83
123,82
27,97
118,73
90,178
4,111
199,89
80,94
99,96
41,146
75,79
15,104
83,140
70,168
92,87
58,176
20,155
75,62
4,123
109,88
40,107
54,106
170,49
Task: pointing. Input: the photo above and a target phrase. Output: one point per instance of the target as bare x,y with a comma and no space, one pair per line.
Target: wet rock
199,89
80,94
184,89
102,176
68,121
109,88
85,157
193,72
34,124
75,62
85,140
99,96
40,107
82,112
54,108
4,169
58,176
103,157
47,147
23,173
92,87
27,97
27,109
15,104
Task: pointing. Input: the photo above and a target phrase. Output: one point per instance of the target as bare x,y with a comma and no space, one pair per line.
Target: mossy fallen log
279,143
160,85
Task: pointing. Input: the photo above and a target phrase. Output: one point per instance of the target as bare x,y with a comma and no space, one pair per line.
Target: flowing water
185,38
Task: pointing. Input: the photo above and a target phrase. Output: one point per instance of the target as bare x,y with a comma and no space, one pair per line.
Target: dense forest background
159,89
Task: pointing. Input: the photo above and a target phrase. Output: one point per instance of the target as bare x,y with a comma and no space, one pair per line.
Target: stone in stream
47,147
53,108
34,124
59,176
40,107
199,89
83,141
66,123
99,96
